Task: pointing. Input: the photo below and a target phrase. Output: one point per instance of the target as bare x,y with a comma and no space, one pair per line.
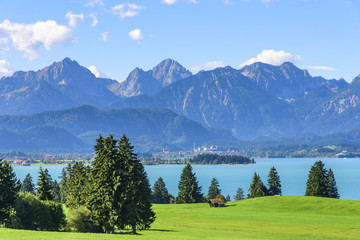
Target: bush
33,214
80,220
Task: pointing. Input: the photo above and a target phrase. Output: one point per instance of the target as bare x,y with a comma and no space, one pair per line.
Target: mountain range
258,100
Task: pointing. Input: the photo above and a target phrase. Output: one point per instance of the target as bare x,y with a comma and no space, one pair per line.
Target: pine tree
257,187
239,194
332,188
76,184
63,183
27,184
213,189
274,183
189,189
56,191
45,186
106,181
317,183
159,192
9,186
137,207
228,199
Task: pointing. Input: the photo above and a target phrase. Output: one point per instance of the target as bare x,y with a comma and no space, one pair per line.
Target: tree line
112,194
221,159
321,183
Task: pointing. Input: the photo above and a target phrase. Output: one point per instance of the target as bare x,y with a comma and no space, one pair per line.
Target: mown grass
288,217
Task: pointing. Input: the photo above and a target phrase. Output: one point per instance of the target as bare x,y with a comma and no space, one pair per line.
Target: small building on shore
216,203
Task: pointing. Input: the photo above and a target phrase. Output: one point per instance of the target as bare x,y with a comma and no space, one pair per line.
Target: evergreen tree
274,183
228,199
76,185
159,192
56,191
257,187
137,207
239,194
317,183
9,187
189,189
106,180
332,188
213,189
27,184
45,185
63,183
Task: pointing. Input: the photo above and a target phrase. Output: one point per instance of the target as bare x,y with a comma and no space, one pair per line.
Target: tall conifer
332,188
159,192
137,206
257,187
44,185
214,189
9,186
317,181
274,183
189,189
104,199
27,184
76,185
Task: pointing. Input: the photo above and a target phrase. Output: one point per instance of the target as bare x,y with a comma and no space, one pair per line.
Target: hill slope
161,127
287,217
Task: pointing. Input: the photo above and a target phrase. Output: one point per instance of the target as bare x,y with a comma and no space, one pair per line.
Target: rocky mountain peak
169,71
150,82
356,79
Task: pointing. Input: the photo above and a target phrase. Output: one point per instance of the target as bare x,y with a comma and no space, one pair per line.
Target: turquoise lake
293,174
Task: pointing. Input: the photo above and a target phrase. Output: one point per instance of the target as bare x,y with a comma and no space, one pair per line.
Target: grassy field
288,217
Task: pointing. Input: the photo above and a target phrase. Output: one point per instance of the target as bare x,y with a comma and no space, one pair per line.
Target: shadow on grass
230,205
161,230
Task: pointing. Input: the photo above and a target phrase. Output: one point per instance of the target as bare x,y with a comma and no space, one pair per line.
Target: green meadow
285,217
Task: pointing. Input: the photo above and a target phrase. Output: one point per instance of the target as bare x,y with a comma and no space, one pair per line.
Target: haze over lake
293,174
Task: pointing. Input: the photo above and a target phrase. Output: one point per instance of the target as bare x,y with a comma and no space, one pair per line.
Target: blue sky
114,37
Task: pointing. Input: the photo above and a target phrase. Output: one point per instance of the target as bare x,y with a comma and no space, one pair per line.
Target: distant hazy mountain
287,81
41,139
255,101
61,85
84,124
148,83
337,114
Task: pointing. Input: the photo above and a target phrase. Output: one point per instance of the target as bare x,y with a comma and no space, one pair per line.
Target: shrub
80,220
34,214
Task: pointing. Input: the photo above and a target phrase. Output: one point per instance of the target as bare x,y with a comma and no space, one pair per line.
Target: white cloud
29,38
74,19
94,18
272,57
5,68
171,2
104,36
4,48
206,66
228,2
125,10
195,68
96,72
136,34
214,64
93,3
325,68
